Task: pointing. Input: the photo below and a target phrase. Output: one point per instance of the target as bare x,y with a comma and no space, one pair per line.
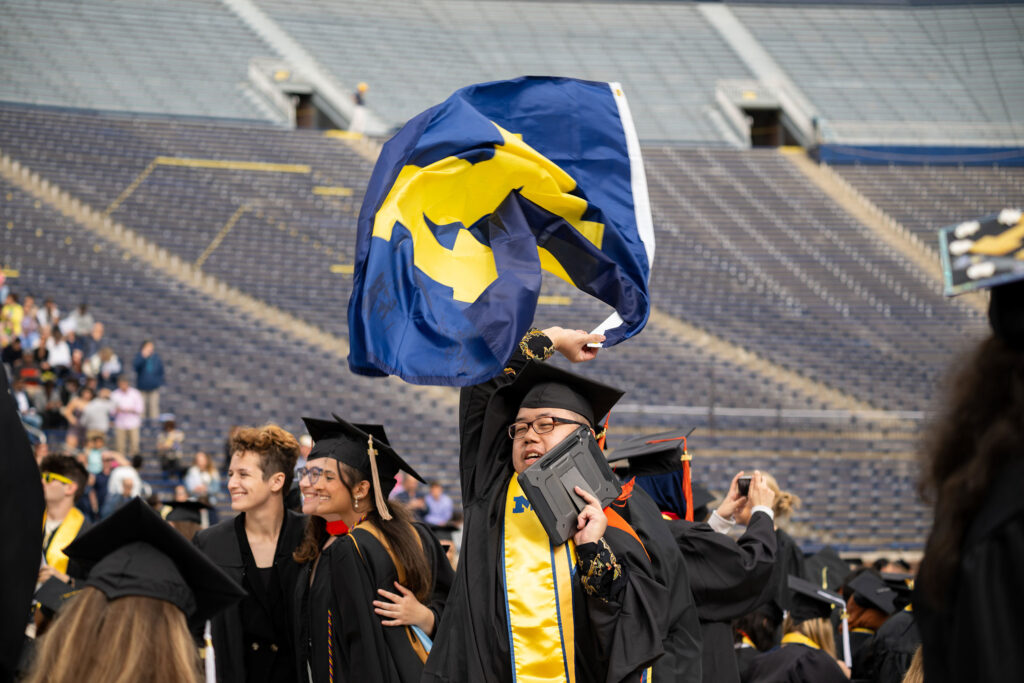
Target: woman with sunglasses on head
374,583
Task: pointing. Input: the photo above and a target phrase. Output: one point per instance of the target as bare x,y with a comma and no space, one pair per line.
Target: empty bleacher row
415,53
750,249
923,75
926,198
183,57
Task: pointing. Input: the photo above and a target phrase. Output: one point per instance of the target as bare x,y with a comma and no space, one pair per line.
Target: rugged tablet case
549,483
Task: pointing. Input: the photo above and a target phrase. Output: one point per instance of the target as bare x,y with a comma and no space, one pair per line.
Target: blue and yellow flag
471,200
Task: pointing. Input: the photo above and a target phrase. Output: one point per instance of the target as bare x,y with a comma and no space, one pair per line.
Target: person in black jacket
253,639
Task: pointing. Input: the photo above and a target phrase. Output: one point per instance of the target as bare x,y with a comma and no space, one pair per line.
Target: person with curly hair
254,638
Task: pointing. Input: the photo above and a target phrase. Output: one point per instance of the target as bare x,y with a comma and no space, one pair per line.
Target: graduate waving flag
471,200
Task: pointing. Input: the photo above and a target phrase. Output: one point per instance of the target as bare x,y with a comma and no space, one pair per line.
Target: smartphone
744,486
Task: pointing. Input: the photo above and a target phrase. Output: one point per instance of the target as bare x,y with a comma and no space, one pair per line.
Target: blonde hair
785,502
915,674
128,640
819,630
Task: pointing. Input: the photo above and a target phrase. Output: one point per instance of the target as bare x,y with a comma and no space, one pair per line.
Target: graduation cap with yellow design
362,446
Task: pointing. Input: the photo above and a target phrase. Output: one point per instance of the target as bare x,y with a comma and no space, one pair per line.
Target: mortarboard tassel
209,659
382,507
603,436
687,484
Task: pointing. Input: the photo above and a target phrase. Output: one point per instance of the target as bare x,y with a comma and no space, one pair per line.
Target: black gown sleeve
440,569
729,578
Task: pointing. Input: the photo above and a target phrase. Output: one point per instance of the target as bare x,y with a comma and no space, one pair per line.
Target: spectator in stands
305,446
10,317
128,407
105,367
125,483
95,416
77,368
967,599
30,323
439,507
80,321
358,122
411,497
12,353
93,342
149,371
202,479
49,404
64,481
74,409
58,352
169,444
48,315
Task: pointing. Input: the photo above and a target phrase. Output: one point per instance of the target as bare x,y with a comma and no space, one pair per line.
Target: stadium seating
923,75
182,57
926,198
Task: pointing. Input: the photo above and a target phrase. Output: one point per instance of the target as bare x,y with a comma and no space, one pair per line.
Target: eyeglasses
312,472
51,476
542,425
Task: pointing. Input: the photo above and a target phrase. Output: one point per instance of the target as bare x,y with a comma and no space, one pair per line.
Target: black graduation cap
903,584
135,552
186,510
656,461
870,590
349,443
542,385
810,601
52,595
825,567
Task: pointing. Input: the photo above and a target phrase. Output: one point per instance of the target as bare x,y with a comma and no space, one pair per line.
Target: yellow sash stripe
62,538
799,639
538,586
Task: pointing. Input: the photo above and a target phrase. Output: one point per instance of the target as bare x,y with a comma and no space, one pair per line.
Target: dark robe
745,655
252,640
975,635
789,561
886,657
795,663
339,636
729,578
21,508
614,640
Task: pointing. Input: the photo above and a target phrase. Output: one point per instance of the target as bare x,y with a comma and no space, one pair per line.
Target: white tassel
209,659
847,655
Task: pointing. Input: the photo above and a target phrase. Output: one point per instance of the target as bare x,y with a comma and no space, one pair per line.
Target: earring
357,504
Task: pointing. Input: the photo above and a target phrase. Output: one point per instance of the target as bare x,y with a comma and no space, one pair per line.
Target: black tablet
549,483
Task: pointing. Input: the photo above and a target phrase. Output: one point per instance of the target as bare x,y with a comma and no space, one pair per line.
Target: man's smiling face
527,449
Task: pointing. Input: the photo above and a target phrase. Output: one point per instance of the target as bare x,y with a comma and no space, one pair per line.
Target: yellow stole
538,589
62,538
799,639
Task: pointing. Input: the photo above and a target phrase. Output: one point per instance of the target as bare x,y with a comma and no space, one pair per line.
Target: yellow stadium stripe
221,235
332,191
224,164
10,272
554,300
343,268
343,135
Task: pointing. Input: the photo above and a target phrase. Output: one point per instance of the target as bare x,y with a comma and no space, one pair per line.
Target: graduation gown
253,639
975,635
614,640
789,560
795,663
729,578
339,637
886,657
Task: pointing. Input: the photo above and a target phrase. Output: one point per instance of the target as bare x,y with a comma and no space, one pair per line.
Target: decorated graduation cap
827,568
661,465
903,585
364,447
988,253
871,591
810,601
186,511
542,385
135,552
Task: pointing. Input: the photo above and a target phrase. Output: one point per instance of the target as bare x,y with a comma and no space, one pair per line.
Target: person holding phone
604,605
